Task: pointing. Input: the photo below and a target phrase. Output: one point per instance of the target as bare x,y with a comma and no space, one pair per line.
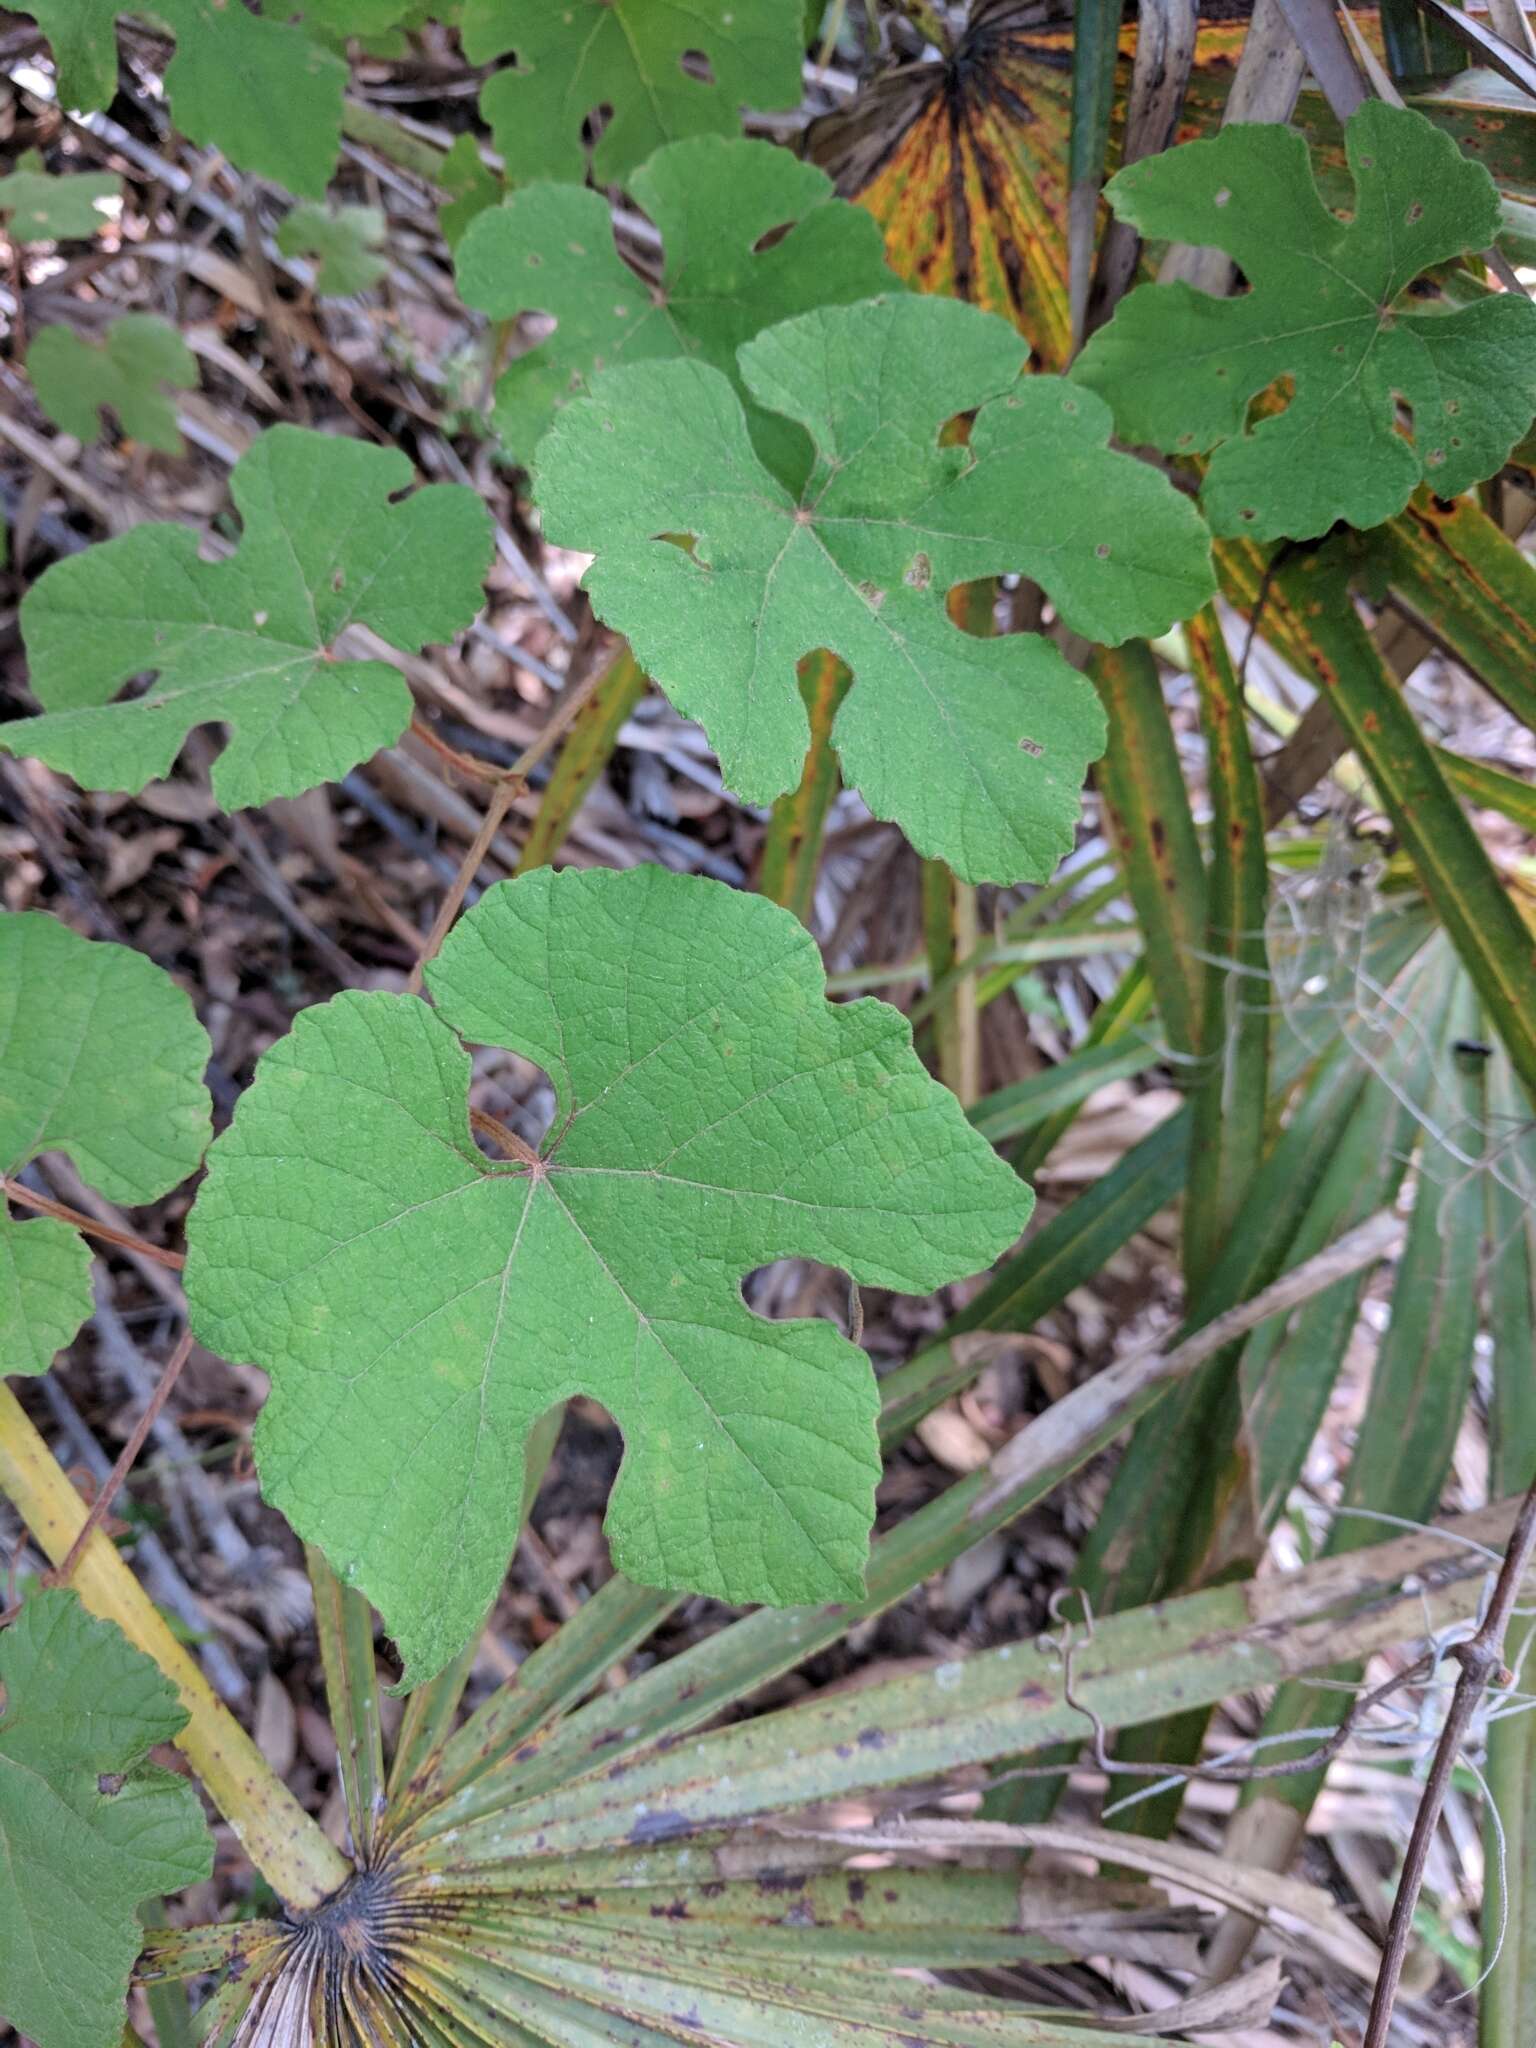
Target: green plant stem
344,1624
1142,785
950,930
925,17
286,1845
589,746
792,844
169,2006
376,131
1231,1096
1095,57
834,29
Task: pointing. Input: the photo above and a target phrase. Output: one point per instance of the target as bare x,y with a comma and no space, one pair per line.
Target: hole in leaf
956,430
596,122
789,1290
969,609
586,1460
1275,397
137,686
512,1095
771,237
696,64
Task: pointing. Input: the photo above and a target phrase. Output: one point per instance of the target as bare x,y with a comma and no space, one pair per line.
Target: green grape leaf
88,1829
102,1057
250,641
74,379
263,92
1325,317
43,208
551,247
419,1305
45,1291
575,56
371,23
975,747
345,241
471,186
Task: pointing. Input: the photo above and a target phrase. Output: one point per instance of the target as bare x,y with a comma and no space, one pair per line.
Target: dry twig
1480,1658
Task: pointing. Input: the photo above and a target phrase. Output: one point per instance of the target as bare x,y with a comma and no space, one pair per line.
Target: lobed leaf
87,1829
975,747
471,186
259,90
375,24
630,57
345,242
45,1291
75,379
551,248
420,1305
45,208
251,641
1325,312
102,1057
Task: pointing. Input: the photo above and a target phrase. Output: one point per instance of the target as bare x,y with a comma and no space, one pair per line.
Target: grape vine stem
89,1226
1481,1659
127,1458
509,786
